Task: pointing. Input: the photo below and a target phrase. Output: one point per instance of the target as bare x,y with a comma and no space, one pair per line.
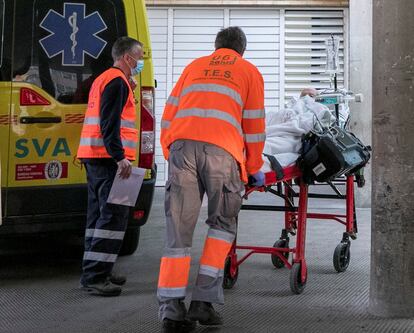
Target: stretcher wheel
342,256
296,283
229,279
276,261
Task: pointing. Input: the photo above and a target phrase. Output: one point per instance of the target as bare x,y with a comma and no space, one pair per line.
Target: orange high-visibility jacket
91,142
219,99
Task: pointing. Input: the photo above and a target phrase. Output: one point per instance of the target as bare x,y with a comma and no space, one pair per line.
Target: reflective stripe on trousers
196,168
218,243
173,279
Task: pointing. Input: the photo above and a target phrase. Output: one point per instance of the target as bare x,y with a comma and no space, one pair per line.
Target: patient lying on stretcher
284,128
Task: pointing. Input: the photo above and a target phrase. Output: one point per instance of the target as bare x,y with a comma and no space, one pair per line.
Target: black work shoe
175,326
105,288
188,325
119,280
204,313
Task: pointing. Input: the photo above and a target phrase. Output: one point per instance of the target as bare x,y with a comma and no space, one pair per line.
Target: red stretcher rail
295,225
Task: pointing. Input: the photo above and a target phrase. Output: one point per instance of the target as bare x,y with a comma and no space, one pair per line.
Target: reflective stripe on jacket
219,99
91,141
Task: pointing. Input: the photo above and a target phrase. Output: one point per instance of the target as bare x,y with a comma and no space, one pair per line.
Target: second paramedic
108,144
213,134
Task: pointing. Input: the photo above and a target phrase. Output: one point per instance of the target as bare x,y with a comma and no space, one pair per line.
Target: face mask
138,68
307,99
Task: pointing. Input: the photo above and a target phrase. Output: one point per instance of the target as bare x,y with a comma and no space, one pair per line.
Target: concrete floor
39,281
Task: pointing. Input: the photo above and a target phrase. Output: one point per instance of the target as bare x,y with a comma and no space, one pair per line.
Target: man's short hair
124,45
231,38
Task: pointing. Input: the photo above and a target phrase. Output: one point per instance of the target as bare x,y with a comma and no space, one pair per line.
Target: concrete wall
256,3
392,254
360,77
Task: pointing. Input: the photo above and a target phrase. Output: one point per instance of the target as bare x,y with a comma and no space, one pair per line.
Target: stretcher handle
276,167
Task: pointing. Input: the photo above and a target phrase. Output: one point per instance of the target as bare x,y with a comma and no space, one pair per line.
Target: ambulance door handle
40,120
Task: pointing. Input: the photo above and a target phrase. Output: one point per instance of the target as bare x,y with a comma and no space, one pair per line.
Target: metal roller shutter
305,51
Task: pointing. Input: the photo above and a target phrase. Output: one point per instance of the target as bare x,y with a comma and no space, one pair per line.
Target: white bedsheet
284,129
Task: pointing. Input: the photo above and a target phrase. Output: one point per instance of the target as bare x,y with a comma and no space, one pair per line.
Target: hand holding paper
124,168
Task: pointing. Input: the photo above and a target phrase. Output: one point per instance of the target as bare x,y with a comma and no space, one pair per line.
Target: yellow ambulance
51,51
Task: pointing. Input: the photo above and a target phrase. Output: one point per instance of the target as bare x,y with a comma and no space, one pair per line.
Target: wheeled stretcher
281,184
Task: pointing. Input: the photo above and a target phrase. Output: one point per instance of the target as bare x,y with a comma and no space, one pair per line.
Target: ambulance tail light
147,151
30,97
138,214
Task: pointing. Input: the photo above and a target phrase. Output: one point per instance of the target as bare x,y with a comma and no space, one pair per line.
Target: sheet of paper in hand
125,191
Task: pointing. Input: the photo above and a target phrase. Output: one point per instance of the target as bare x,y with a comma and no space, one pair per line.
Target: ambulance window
62,46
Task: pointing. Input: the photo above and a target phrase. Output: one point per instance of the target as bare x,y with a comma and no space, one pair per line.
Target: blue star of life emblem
73,34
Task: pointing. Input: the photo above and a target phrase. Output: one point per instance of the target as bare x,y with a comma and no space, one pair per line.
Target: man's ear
125,57
142,54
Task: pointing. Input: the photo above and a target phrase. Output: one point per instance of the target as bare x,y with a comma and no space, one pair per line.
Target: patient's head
311,92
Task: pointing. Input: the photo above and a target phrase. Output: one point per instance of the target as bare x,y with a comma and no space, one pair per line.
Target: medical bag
331,153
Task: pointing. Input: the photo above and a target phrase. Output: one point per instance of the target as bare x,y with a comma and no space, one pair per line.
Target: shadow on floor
40,256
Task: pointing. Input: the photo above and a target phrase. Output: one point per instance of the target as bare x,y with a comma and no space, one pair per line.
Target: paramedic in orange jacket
213,134
108,144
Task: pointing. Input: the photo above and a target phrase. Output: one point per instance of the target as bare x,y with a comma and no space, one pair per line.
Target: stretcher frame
295,223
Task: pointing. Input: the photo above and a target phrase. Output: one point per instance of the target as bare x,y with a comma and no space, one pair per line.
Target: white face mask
307,99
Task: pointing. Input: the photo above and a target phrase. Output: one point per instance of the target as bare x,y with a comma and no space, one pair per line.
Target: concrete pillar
360,79
392,254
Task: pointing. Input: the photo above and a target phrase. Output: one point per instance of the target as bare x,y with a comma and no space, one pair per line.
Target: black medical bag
331,153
